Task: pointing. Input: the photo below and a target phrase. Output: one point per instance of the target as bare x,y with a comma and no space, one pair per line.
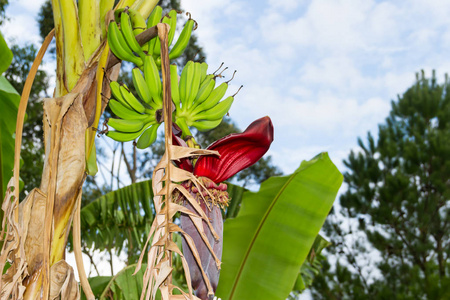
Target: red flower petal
183,163
237,151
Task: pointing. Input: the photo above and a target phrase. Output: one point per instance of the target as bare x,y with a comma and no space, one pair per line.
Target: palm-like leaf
266,244
122,215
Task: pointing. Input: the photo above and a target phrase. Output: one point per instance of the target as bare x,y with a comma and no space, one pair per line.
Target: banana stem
90,132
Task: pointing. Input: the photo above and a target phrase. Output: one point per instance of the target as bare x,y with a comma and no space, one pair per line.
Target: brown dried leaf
63,284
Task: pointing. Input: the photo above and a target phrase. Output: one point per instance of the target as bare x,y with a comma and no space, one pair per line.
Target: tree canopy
398,199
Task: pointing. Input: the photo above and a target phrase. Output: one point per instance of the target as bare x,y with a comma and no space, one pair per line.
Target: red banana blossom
237,151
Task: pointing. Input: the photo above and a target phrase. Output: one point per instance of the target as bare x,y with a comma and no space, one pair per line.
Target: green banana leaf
98,285
312,265
6,55
124,215
125,285
9,103
267,243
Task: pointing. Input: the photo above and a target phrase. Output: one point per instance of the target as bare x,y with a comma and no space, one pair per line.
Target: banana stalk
90,26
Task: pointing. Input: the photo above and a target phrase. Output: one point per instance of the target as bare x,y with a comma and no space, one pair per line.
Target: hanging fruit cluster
195,95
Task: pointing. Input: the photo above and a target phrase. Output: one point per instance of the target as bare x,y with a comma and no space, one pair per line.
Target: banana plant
37,229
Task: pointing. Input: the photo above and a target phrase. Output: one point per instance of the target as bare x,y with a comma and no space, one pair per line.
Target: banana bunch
122,41
197,99
137,118
153,47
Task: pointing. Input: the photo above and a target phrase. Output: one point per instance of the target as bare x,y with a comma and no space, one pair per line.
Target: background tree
397,203
3,5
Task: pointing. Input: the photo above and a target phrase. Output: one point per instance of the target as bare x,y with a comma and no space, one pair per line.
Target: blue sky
325,71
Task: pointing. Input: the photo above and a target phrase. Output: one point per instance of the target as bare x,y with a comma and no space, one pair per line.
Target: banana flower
237,151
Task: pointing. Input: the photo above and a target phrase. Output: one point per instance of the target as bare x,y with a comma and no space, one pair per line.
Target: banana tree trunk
66,120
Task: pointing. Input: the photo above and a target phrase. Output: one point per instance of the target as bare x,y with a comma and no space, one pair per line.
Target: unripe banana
141,86
153,80
173,26
204,67
126,136
183,40
206,125
195,85
186,78
124,112
119,46
207,77
212,99
131,99
174,85
137,21
153,19
216,112
157,50
127,30
115,89
204,91
148,137
126,125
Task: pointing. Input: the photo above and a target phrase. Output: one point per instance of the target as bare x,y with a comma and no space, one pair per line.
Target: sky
325,71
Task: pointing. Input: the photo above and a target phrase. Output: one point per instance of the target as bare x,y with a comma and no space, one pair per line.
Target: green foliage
98,285
399,196
266,244
3,5
9,103
125,285
119,220
311,267
45,19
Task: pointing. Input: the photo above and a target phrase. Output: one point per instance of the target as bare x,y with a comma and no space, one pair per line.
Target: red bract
237,152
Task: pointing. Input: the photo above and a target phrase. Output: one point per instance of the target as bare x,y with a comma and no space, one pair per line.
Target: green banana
204,91
173,26
124,112
126,125
131,99
126,136
137,21
183,40
115,89
206,125
174,85
141,86
119,46
153,19
212,99
204,67
218,111
186,78
148,137
127,31
153,80
195,85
